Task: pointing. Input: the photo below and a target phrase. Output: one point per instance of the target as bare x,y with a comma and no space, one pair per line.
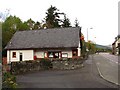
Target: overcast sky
101,15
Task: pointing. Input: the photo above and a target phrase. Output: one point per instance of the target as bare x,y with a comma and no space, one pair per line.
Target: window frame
74,51
66,54
54,54
13,54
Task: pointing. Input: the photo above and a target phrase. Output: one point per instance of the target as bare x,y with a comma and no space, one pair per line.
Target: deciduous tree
9,27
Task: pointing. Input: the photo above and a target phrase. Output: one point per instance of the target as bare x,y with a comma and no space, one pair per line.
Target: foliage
25,26
52,18
12,23
30,23
37,26
76,23
9,81
83,51
66,22
46,64
9,27
91,46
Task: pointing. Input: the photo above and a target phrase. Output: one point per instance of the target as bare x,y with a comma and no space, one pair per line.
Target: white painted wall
118,41
27,55
8,56
69,52
116,45
79,50
39,54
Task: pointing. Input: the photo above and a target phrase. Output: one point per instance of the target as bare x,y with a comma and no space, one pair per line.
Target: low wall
37,65
67,64
29,66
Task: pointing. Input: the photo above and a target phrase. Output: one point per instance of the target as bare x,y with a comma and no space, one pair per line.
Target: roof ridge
59,28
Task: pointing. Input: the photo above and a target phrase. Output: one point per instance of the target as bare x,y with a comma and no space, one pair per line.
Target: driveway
86,77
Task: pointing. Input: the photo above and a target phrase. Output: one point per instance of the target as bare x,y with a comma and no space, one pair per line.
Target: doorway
21,57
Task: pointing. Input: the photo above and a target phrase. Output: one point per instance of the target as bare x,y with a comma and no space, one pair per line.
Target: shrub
9,81
46,64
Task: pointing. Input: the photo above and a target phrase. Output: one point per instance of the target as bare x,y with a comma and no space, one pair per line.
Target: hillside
103,47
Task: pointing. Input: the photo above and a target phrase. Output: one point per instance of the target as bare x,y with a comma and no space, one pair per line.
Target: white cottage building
44,43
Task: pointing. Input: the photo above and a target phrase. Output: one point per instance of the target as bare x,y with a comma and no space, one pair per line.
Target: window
56,55
53,54
64,55
14,54
75,52
50,54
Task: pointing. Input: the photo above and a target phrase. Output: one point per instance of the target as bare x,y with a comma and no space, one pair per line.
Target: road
112,58
107,66
86,77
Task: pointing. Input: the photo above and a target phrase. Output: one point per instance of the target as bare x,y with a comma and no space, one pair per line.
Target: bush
9,81
46,64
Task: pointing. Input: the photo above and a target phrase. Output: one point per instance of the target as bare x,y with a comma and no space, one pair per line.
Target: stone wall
67,64
29,66
45,64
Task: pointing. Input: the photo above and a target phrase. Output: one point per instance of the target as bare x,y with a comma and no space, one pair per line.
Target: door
21,57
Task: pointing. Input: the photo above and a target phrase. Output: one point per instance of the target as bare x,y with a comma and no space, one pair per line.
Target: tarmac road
107,66
86,77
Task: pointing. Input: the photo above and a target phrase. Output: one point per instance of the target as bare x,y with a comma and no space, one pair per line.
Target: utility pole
87,33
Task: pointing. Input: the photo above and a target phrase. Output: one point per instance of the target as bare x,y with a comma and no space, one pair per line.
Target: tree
66,22
91,46
83,45
52,19
12,23
76,23
37,26
30,23
9,27
25,26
